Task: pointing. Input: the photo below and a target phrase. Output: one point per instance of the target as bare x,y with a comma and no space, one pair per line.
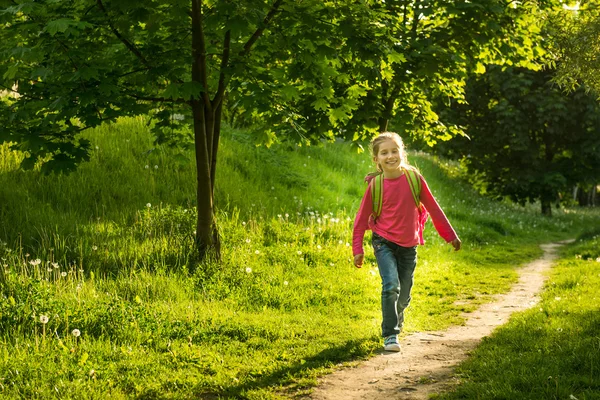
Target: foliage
528,139
575,34
311,69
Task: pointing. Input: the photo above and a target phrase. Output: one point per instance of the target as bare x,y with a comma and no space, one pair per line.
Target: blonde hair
382,137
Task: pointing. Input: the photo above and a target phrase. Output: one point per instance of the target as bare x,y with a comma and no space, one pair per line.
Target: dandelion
299,252
257,252
272,187
248,270
76,333
243,223
248,240
35,262
347,244
44,319
50,270
285,283
97,148
94,248
331,264
148,205
319,246
147,167
340,242
287,215
156,167
63,274
55,265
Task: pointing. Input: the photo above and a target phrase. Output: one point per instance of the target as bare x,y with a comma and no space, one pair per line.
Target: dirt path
427,360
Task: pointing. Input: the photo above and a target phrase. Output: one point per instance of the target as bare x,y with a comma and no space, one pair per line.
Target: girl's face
388,156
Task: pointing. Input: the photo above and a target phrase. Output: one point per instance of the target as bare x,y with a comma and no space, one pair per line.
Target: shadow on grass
289,377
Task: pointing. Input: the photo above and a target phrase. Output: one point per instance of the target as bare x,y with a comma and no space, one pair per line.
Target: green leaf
58,25
11,72
480,68
320,104
395,57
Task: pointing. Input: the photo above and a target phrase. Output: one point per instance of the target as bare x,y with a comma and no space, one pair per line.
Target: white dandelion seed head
44,319
285,283
63,274
147,166
94,248
299,252
248,240
248,270
156,167
76,332
257,252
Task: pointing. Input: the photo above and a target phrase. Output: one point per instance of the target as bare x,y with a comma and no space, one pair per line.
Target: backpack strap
377,194
414,181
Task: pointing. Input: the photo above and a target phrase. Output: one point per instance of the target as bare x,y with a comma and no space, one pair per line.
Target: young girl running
397,230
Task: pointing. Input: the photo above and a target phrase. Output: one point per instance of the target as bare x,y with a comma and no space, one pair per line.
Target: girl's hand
358,260
456,243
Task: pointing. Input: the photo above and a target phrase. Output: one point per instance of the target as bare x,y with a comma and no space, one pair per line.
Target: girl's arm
361,223
440,221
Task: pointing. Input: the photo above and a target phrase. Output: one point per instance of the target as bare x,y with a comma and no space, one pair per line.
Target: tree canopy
528,139
310,69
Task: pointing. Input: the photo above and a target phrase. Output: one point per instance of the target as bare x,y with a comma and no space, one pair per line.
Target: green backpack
414,181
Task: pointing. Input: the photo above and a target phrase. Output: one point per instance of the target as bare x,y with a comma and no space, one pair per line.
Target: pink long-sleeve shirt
399,220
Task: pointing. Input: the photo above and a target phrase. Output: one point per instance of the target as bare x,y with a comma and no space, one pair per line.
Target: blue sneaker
391,343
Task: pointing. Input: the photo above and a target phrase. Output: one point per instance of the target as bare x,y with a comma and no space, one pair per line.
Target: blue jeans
396,268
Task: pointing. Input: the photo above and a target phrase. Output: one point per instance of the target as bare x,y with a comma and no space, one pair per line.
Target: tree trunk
207,241
546,208
205,142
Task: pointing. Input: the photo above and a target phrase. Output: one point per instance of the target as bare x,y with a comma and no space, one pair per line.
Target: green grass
115,248
551,351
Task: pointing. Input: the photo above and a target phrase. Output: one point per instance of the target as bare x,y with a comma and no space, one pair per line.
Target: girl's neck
393,174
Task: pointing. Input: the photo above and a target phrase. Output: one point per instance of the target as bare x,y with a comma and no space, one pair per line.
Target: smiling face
389,158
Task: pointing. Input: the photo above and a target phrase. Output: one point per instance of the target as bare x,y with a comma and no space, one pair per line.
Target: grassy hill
101,296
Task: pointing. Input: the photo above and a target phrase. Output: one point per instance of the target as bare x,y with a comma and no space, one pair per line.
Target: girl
397,231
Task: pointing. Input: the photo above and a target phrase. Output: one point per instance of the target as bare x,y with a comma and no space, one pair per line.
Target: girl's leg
390,285
406,258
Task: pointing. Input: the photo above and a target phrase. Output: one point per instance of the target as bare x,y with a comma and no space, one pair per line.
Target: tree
398,57
79,64
313,69
575,35
529,140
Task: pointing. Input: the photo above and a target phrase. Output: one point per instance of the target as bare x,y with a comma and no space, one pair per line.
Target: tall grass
108,250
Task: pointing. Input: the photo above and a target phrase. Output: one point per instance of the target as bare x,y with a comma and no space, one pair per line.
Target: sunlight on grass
108,252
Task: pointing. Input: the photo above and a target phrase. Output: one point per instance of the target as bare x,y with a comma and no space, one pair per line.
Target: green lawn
116,263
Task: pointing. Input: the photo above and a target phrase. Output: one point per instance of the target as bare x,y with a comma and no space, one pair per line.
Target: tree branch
199,68
157,99
259,31
224,61
124,40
